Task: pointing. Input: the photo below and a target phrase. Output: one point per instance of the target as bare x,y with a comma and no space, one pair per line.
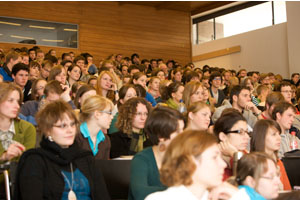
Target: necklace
71,194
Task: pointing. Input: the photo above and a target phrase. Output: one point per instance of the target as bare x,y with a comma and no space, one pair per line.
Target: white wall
263,50
293,35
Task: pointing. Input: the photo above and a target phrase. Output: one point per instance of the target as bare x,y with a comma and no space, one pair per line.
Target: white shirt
182,193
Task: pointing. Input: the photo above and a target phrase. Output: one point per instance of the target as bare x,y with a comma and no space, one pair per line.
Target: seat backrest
117,177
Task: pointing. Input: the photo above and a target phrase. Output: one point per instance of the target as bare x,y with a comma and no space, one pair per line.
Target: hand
227,149
14,150
250,106
114,87
66,94
223,191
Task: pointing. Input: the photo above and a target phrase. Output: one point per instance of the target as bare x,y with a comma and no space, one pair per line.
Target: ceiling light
42,27
21,37
10,23
69,29
46,40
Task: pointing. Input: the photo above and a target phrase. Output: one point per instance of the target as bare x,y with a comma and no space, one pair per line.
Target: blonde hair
178,165
195,107
190,89
110,93
7,88
92,104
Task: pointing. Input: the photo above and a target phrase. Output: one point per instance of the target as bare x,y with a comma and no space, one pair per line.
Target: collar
86,134
11,128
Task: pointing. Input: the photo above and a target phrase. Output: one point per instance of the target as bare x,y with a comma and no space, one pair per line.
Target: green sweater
24,133
144,175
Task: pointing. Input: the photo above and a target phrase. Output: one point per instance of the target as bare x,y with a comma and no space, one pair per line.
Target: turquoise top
252,193
86,134
81,185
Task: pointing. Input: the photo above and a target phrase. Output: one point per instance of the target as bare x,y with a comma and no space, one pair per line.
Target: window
15,30
238,19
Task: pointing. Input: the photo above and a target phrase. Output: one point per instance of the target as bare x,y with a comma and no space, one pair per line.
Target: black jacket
39,172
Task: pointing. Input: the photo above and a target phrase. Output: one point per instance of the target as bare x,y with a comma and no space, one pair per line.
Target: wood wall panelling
110,27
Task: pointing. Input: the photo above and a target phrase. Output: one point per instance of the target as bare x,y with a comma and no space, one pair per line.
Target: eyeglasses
65,126
241,132
140,114
217,79
287,91
278,174
105,111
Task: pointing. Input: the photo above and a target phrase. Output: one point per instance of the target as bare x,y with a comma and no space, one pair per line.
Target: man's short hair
236,90
53,87
18,67
261,88
214,75
53,59
282,84
11,55
77,58
281,107
274,98
131,67
294,74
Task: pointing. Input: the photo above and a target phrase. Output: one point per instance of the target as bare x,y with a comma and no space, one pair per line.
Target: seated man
215,80
12,58
284,114
241,101
20,74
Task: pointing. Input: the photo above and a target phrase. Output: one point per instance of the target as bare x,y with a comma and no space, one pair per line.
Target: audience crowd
191,132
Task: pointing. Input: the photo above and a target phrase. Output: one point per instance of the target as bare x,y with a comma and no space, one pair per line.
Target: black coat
39,172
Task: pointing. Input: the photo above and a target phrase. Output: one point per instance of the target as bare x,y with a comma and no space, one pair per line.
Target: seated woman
126,92
95,117
191,166
37,89
162,125
141,79
266,138
153,88
107,86
257,174
193,92
130,138
172,94
232,132
34,70
198,116
59,169
58,73
82,94
16,136
74,73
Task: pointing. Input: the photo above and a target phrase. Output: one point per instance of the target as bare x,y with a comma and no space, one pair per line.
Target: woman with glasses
257,173
126,92
266,138
95,117
59,169
231,130
162,126
130,138
192,168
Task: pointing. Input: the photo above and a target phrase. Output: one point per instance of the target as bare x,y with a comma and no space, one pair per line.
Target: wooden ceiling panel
192,7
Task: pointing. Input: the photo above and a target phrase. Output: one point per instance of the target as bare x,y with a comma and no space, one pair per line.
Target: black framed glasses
240,132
